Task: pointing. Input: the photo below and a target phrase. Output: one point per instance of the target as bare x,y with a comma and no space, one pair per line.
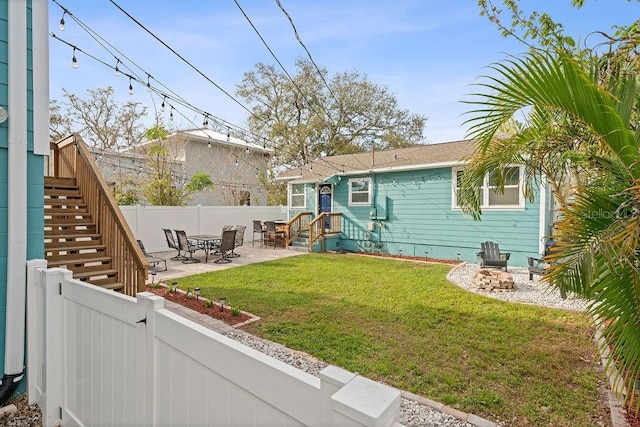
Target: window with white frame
297,196
360,191
490,196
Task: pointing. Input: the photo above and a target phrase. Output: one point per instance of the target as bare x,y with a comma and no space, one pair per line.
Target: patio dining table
205,241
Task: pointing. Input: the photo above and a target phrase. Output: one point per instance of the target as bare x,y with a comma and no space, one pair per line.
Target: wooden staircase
72,239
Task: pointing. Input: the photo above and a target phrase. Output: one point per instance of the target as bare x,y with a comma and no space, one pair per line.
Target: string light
162,106
117,69
62,21
130,87
228,133
171,114
208,144
247,149
236,161
74,61
148,83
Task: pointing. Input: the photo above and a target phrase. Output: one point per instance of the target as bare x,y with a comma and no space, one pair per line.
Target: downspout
17,200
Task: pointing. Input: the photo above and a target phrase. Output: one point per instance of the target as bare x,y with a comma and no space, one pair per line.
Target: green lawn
403,323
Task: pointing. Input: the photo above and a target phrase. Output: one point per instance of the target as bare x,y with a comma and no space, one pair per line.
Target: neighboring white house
234,166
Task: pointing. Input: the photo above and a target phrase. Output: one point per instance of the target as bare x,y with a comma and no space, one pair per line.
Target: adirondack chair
490,256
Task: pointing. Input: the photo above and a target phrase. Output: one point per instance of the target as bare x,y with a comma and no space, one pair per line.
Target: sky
428,53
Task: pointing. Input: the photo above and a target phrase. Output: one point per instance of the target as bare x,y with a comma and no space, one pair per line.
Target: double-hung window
359,191
490,195
297,196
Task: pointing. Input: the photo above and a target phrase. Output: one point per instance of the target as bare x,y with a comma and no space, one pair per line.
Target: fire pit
493,280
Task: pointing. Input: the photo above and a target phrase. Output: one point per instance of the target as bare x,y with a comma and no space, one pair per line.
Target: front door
324,201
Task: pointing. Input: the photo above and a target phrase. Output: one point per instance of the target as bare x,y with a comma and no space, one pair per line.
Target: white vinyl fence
97,357
147,222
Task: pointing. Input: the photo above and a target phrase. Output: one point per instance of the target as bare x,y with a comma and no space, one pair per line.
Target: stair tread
105,272
77,261
74,248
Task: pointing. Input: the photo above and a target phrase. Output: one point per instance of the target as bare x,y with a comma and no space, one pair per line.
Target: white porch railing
97,357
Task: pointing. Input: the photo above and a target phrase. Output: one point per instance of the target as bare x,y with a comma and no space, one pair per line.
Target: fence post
53,380
358,402
146,361
35,326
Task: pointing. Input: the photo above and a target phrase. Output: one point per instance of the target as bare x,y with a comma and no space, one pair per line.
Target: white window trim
368,202
304,194
486,190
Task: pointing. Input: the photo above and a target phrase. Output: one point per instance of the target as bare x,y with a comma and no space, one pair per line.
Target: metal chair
171,242
226,246
272,235
257,228
186,246
153,261
239,239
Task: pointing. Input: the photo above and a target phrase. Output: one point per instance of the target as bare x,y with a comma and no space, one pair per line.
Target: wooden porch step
80,235
53,182
86,256
114,286
54,251
65,221
95,273
70,203
67,192
69,210
77,261
85,229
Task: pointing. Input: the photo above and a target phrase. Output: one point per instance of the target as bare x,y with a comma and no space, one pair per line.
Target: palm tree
582,138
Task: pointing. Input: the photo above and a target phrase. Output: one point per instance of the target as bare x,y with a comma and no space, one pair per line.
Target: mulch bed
198,305
412,258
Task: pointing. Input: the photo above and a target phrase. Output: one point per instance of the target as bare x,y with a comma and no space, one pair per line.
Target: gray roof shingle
416,157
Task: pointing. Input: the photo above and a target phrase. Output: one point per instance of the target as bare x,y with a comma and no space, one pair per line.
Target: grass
403,323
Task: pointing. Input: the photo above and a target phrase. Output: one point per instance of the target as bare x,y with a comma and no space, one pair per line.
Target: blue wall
420,220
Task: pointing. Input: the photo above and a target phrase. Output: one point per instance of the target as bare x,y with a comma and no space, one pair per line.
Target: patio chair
226,246
490,256
239,239
185,245
171,242
537,265
257,228
272,235
153,261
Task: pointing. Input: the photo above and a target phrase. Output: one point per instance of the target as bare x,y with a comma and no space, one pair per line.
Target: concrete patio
248,255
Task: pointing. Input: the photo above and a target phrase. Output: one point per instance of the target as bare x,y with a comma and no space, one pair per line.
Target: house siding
34,173
420,220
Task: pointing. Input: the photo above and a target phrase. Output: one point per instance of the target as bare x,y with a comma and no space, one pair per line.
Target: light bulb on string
162,106
130,87
236,161
148,83
117,70
74,61
62,21
208,144
171,114
228,133
247,149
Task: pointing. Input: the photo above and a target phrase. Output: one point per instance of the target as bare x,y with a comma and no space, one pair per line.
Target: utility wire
196,69
169,94
291,79
295,32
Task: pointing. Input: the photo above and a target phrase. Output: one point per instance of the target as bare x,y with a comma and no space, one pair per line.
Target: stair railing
318,228
297,225
71,159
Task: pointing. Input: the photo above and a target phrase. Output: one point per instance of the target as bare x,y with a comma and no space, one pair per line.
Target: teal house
24,141
403,202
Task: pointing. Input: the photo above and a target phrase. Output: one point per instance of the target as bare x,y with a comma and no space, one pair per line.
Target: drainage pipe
17,199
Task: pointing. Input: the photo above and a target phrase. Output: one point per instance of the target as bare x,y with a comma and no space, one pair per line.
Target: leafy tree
165,185
99,119
307,119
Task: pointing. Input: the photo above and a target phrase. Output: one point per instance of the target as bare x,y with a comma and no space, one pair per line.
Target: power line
196,69
295,32
291,79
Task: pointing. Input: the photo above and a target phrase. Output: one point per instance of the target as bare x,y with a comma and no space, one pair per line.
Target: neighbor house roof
208,136
417,157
